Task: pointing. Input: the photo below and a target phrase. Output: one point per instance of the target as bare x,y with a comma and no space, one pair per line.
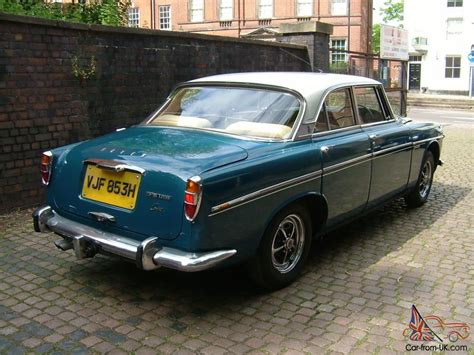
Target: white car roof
306,83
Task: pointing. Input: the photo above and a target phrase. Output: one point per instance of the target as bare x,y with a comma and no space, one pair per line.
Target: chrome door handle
373,136
324,149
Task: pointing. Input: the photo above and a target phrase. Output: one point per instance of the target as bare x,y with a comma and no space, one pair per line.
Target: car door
345,152
391,144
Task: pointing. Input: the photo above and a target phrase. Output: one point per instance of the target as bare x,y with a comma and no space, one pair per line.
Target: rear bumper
147,255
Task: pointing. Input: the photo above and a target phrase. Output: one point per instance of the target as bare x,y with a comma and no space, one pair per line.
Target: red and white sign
393,43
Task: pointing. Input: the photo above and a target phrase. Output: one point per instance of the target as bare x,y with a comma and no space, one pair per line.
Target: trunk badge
158,196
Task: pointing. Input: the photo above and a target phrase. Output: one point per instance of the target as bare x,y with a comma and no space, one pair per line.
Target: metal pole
471,82
348,25
238,18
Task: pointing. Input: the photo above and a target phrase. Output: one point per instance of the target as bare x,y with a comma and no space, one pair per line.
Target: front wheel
422,189
283,250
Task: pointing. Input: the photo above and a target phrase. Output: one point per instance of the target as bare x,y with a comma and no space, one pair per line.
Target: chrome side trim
264,192
326,171
428,139
347,164
393,149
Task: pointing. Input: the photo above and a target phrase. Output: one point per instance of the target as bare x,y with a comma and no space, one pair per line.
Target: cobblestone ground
355,295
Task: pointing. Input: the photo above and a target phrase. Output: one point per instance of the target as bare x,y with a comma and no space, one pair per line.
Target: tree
392,11
376,38
105,12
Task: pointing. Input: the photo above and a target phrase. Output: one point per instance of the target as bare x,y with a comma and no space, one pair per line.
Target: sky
377,5
376,14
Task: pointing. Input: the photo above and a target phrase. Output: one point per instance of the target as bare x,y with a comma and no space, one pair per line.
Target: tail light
192,197
46,165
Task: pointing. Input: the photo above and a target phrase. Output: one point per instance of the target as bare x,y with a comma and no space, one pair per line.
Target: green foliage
393,11
376,38
339,67
105,12
83,72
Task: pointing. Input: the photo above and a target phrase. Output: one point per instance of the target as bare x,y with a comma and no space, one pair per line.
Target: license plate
113,188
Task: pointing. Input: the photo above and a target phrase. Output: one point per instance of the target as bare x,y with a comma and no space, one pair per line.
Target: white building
441,33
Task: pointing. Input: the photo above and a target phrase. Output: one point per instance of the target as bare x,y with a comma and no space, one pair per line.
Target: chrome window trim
239,201
387,102
392,120
376,89
296,94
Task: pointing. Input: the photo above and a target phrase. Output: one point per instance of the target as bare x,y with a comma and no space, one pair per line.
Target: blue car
238,168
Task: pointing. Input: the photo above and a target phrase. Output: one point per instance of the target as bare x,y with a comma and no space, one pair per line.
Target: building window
304,8
453,67
339,7
419,41
415,58
133,17
338,57
165,17
454,3
265,9
454,27
226,12
196,10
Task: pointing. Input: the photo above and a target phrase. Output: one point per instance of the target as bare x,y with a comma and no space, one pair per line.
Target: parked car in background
238,168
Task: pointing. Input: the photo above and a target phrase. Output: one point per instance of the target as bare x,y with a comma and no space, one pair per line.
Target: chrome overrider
147,255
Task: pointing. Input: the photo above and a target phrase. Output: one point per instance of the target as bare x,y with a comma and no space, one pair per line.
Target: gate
391,73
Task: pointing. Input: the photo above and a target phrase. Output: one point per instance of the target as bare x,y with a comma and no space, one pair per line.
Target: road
443,116
354,297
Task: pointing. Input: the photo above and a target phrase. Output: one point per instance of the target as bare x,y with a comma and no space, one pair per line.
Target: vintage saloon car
238,168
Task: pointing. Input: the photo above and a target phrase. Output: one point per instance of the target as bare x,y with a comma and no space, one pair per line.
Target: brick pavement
355,294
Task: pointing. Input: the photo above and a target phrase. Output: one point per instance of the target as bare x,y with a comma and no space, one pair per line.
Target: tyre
283,249
419,194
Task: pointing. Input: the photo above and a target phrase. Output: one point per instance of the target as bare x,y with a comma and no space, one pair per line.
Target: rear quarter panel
423,134
242,227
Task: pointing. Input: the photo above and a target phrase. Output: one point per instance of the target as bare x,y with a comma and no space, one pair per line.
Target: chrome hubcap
425,181
288,242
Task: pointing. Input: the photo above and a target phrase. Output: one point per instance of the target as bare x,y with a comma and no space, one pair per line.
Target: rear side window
322,121
339,109
368,105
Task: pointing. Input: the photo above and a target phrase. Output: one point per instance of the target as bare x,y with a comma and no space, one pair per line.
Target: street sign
393,43
471,58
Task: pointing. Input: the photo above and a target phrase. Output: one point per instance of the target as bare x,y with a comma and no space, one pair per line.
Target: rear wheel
420,193
283,250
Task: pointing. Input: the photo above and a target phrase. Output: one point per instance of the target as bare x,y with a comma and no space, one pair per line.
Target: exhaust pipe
63,244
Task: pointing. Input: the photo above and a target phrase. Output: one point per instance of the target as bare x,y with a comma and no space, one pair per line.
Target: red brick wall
43,105
284,12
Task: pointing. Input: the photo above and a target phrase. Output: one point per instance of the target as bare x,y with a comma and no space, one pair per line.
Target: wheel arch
314,202
434,148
